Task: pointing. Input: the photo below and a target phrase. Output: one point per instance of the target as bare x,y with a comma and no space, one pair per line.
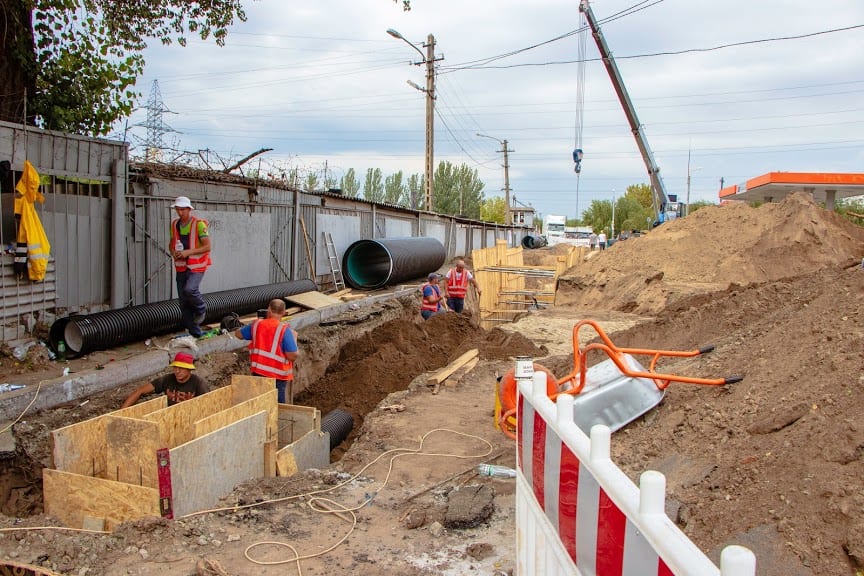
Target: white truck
553,227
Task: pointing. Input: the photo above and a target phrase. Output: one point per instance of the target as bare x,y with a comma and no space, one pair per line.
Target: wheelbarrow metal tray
612,398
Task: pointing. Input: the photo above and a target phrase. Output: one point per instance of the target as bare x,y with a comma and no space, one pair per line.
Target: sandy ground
773,462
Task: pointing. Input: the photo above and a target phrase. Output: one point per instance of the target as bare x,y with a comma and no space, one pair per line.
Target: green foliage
697,205
373,186
395,191
88,53
349,184
415,192
311,182
457,190
492,209
851,209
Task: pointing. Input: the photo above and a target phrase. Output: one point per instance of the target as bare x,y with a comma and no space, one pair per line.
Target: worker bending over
272,348
456,288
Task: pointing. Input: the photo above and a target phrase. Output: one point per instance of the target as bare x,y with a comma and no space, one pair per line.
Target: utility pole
430,118
507,218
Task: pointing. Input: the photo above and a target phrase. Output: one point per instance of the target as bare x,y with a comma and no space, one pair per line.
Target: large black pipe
372,264
103,330
531,241
339,424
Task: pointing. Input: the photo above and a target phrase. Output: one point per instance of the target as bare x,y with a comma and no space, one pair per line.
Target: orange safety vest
265,352
432,306
197,263
457,287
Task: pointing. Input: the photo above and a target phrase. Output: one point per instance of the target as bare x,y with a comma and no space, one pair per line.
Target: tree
373,187
394,190
77,60
415,192
492,209
311,182
457,190
349,184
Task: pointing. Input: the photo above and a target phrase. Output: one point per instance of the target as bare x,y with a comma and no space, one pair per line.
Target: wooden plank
266,402
245,387
271,447
313,300
341,293
295,421
70,497
443,373
312,450
308,248
208,468
177,423
454,378
131,451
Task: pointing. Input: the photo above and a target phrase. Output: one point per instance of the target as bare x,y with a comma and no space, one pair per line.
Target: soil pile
773,462
713,249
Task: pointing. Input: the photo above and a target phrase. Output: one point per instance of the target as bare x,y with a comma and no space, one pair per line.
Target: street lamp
429,60
506,151
613,213
696,169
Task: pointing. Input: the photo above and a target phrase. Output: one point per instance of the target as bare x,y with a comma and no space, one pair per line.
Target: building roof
777,185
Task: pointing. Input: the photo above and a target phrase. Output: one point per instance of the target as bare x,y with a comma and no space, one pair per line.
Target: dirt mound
715,248
773,462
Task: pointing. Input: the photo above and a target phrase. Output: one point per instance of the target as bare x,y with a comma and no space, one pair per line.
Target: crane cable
582,41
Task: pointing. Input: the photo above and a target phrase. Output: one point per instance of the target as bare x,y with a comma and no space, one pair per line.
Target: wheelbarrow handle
706,349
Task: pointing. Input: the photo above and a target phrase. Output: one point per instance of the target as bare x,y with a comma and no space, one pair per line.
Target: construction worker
272,348
456,288
178,386
190,248
432,298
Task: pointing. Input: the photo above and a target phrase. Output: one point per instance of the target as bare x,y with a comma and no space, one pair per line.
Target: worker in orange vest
272,348
456,288
433,301
190,249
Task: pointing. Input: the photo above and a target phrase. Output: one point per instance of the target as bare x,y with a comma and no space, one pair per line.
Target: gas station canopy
825,187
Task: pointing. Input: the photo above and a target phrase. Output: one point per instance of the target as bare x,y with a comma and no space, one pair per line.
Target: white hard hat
182,202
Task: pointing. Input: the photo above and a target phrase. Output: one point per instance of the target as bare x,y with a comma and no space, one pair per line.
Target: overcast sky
321,81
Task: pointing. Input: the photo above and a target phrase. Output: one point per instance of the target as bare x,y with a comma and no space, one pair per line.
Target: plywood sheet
209,467
70,497
295,421
266,402
244,387
177,423
131,451
143,408
312,450
80,448
313,300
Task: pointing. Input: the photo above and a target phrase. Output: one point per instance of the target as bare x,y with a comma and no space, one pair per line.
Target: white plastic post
539,389
524,367
565,409
600,442
652,493
737,561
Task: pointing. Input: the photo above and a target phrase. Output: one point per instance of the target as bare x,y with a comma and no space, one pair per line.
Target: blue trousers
191,303
456,304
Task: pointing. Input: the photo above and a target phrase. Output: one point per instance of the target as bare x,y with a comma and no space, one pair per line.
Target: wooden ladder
333,257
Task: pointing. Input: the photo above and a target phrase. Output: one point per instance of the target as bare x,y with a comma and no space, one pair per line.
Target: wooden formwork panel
266,402
208,468
141,409
80,448
244,387
312,450
295,421
131,451
177,423
70,497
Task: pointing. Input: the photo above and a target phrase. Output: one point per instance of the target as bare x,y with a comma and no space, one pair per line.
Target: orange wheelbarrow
613,392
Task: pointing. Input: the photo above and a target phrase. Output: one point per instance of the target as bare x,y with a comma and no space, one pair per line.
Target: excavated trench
350,363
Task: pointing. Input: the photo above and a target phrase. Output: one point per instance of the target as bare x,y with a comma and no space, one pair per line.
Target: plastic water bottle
178,247
495,471
61,350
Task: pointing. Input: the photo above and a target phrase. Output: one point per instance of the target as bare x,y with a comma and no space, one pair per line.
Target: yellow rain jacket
30,229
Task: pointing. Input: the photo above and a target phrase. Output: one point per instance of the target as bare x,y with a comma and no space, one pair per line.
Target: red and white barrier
577,513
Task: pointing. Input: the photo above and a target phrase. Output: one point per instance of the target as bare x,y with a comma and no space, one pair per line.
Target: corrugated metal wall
107,253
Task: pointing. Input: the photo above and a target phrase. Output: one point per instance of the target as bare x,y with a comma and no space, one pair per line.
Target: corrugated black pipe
339,424
372,264
531,241
102,330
